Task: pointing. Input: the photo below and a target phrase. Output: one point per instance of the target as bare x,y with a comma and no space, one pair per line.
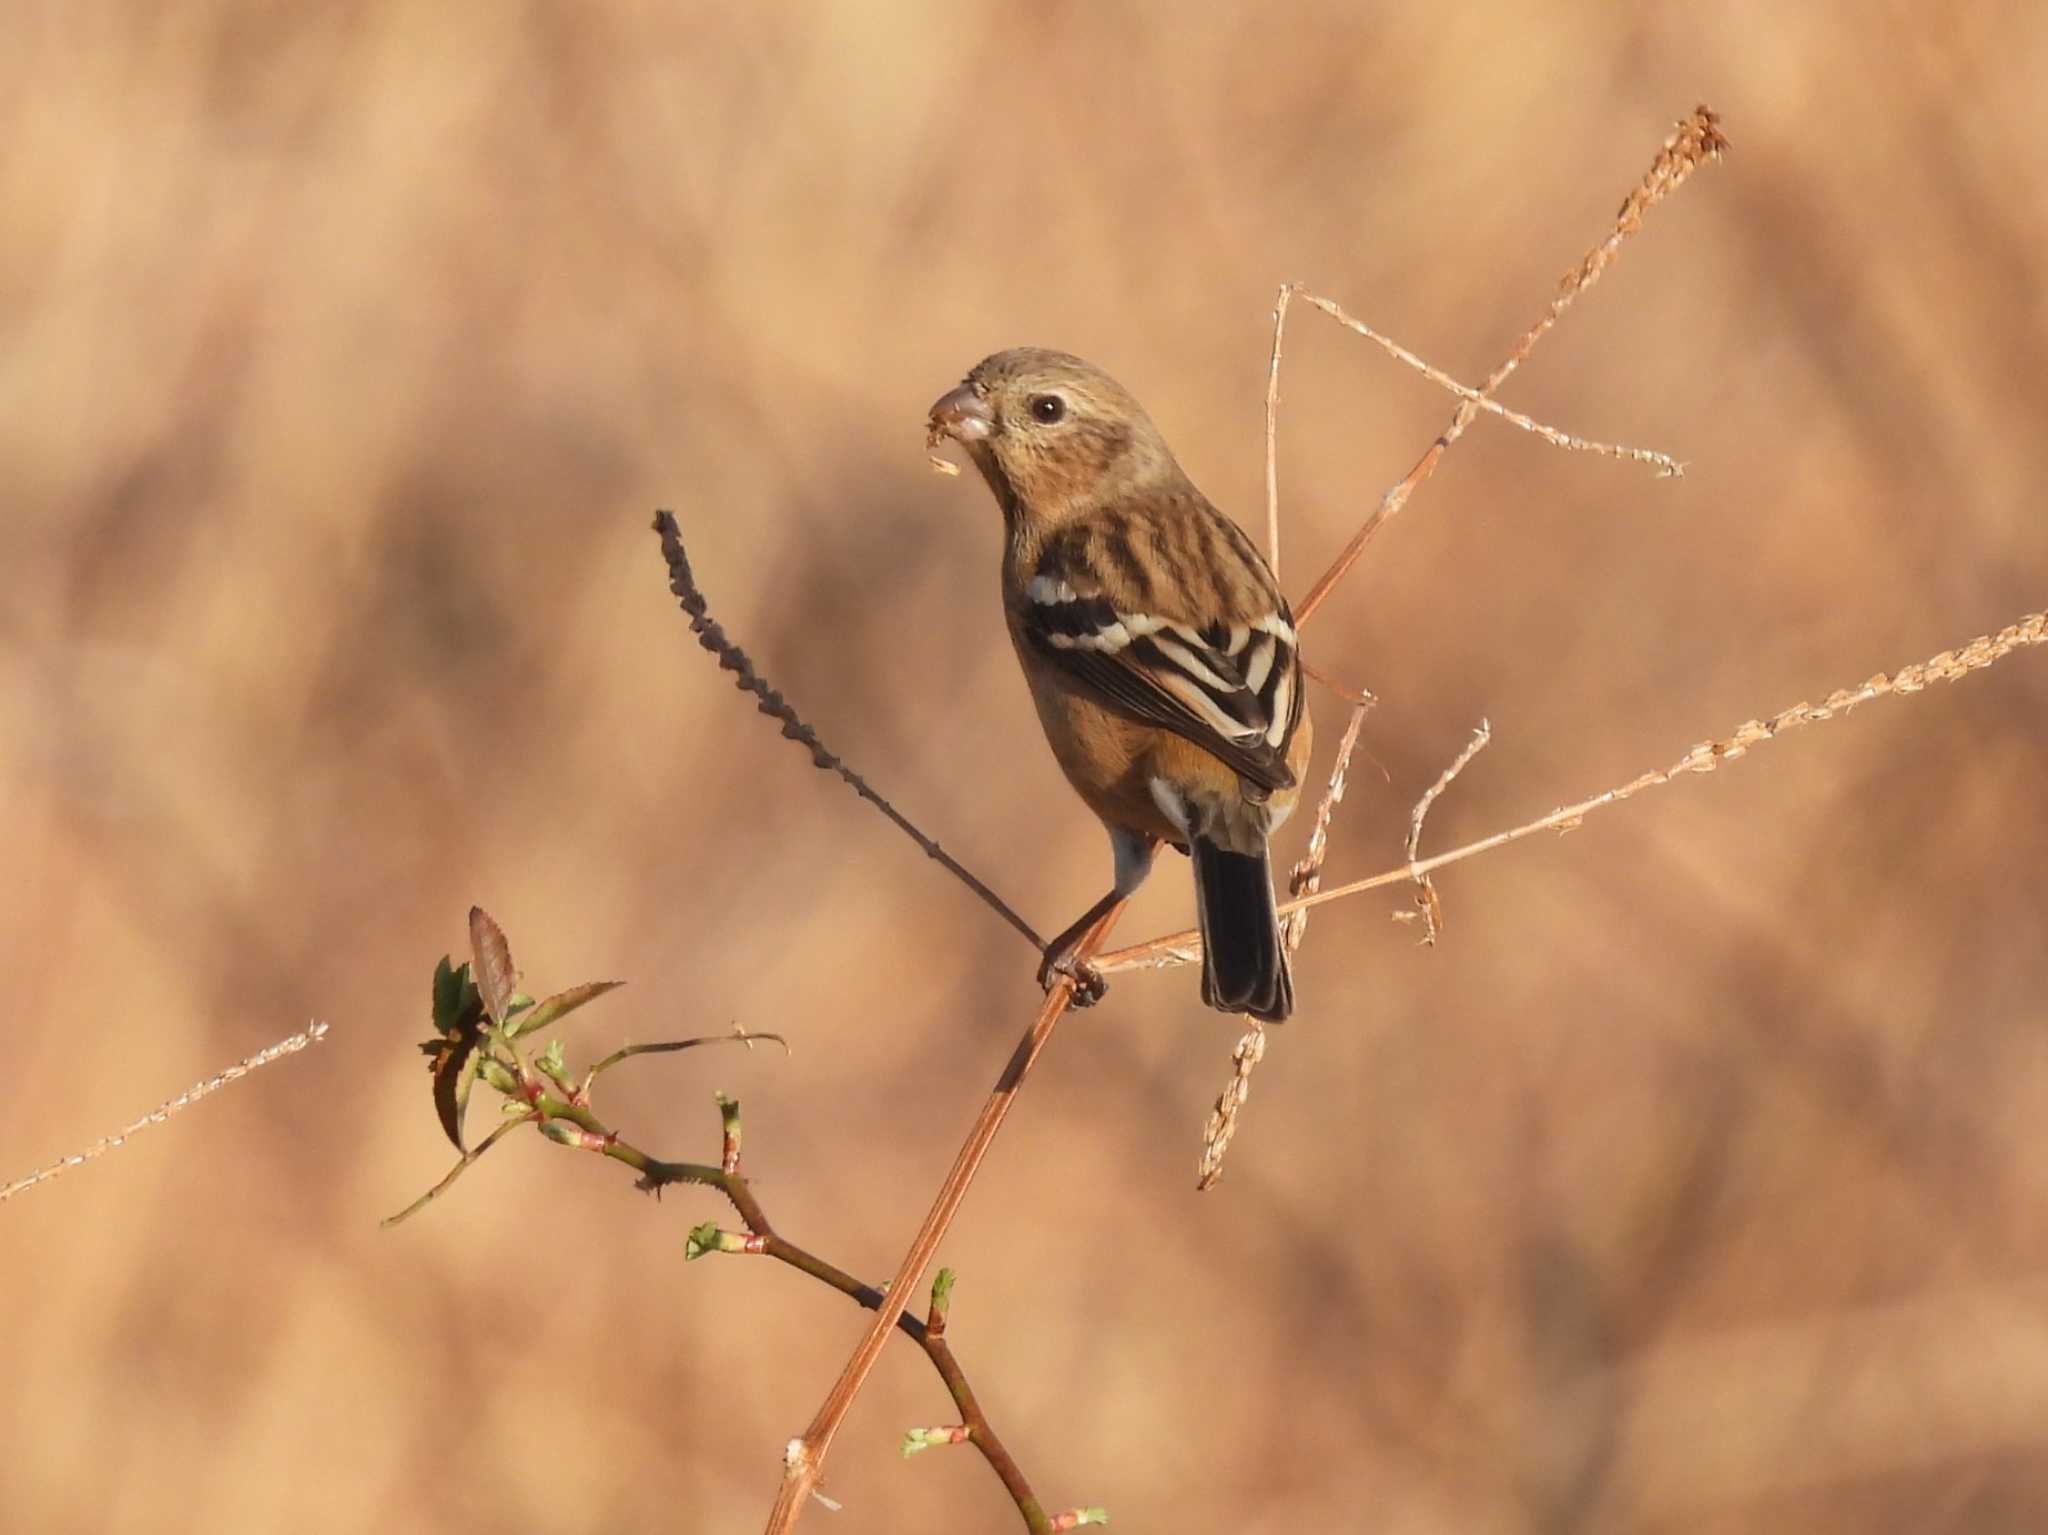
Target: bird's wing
1233,689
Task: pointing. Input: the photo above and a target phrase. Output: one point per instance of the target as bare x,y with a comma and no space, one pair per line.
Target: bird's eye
1047,408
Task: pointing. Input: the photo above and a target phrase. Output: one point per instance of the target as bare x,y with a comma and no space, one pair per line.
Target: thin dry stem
1947,666
1251,1048
1697,140
1307,875
1428,903
467,1160
1666,466
733,659
1363,697
738,1036
1273,428
312,1035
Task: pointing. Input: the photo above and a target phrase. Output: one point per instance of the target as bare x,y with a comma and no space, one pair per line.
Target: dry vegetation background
1695,1183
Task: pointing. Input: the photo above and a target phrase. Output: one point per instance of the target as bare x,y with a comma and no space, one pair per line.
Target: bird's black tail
1244,964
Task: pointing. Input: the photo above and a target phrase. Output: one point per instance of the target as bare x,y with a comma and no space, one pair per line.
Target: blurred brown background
1694,1183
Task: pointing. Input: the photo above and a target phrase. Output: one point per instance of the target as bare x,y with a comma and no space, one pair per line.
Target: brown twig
1697,140
312,1035
804,1458
1427,902
760,1238
733,659
1947,666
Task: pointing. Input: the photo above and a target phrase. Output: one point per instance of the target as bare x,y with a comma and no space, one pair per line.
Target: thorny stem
656,1174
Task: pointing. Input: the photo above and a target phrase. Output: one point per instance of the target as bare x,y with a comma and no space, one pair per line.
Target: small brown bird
1159,650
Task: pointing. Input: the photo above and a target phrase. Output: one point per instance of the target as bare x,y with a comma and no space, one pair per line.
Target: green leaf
702,1239
447,995
457,1003
942,1291
495,977
559,1005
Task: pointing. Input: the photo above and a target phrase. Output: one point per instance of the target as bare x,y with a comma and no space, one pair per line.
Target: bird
1159,650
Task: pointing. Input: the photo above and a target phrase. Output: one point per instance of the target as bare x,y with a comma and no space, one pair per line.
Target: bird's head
1054,436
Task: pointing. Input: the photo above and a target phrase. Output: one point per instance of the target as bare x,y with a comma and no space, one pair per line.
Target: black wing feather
1125,677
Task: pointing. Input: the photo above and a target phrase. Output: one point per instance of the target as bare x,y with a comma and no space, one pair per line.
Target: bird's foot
1089,984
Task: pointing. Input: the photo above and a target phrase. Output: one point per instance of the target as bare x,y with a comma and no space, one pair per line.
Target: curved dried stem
670,1046
733,659
1428,904
463,1164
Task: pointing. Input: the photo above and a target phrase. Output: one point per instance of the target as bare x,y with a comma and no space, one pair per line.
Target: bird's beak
961,415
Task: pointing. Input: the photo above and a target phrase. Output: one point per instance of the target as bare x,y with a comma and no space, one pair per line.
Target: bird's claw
1089,984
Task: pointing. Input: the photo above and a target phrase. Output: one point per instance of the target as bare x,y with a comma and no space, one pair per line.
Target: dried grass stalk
312,1035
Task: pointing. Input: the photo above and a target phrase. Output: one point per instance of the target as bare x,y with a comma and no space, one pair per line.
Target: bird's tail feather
1244,963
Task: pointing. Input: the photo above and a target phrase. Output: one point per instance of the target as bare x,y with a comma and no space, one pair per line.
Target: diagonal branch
762,1239
804,1459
